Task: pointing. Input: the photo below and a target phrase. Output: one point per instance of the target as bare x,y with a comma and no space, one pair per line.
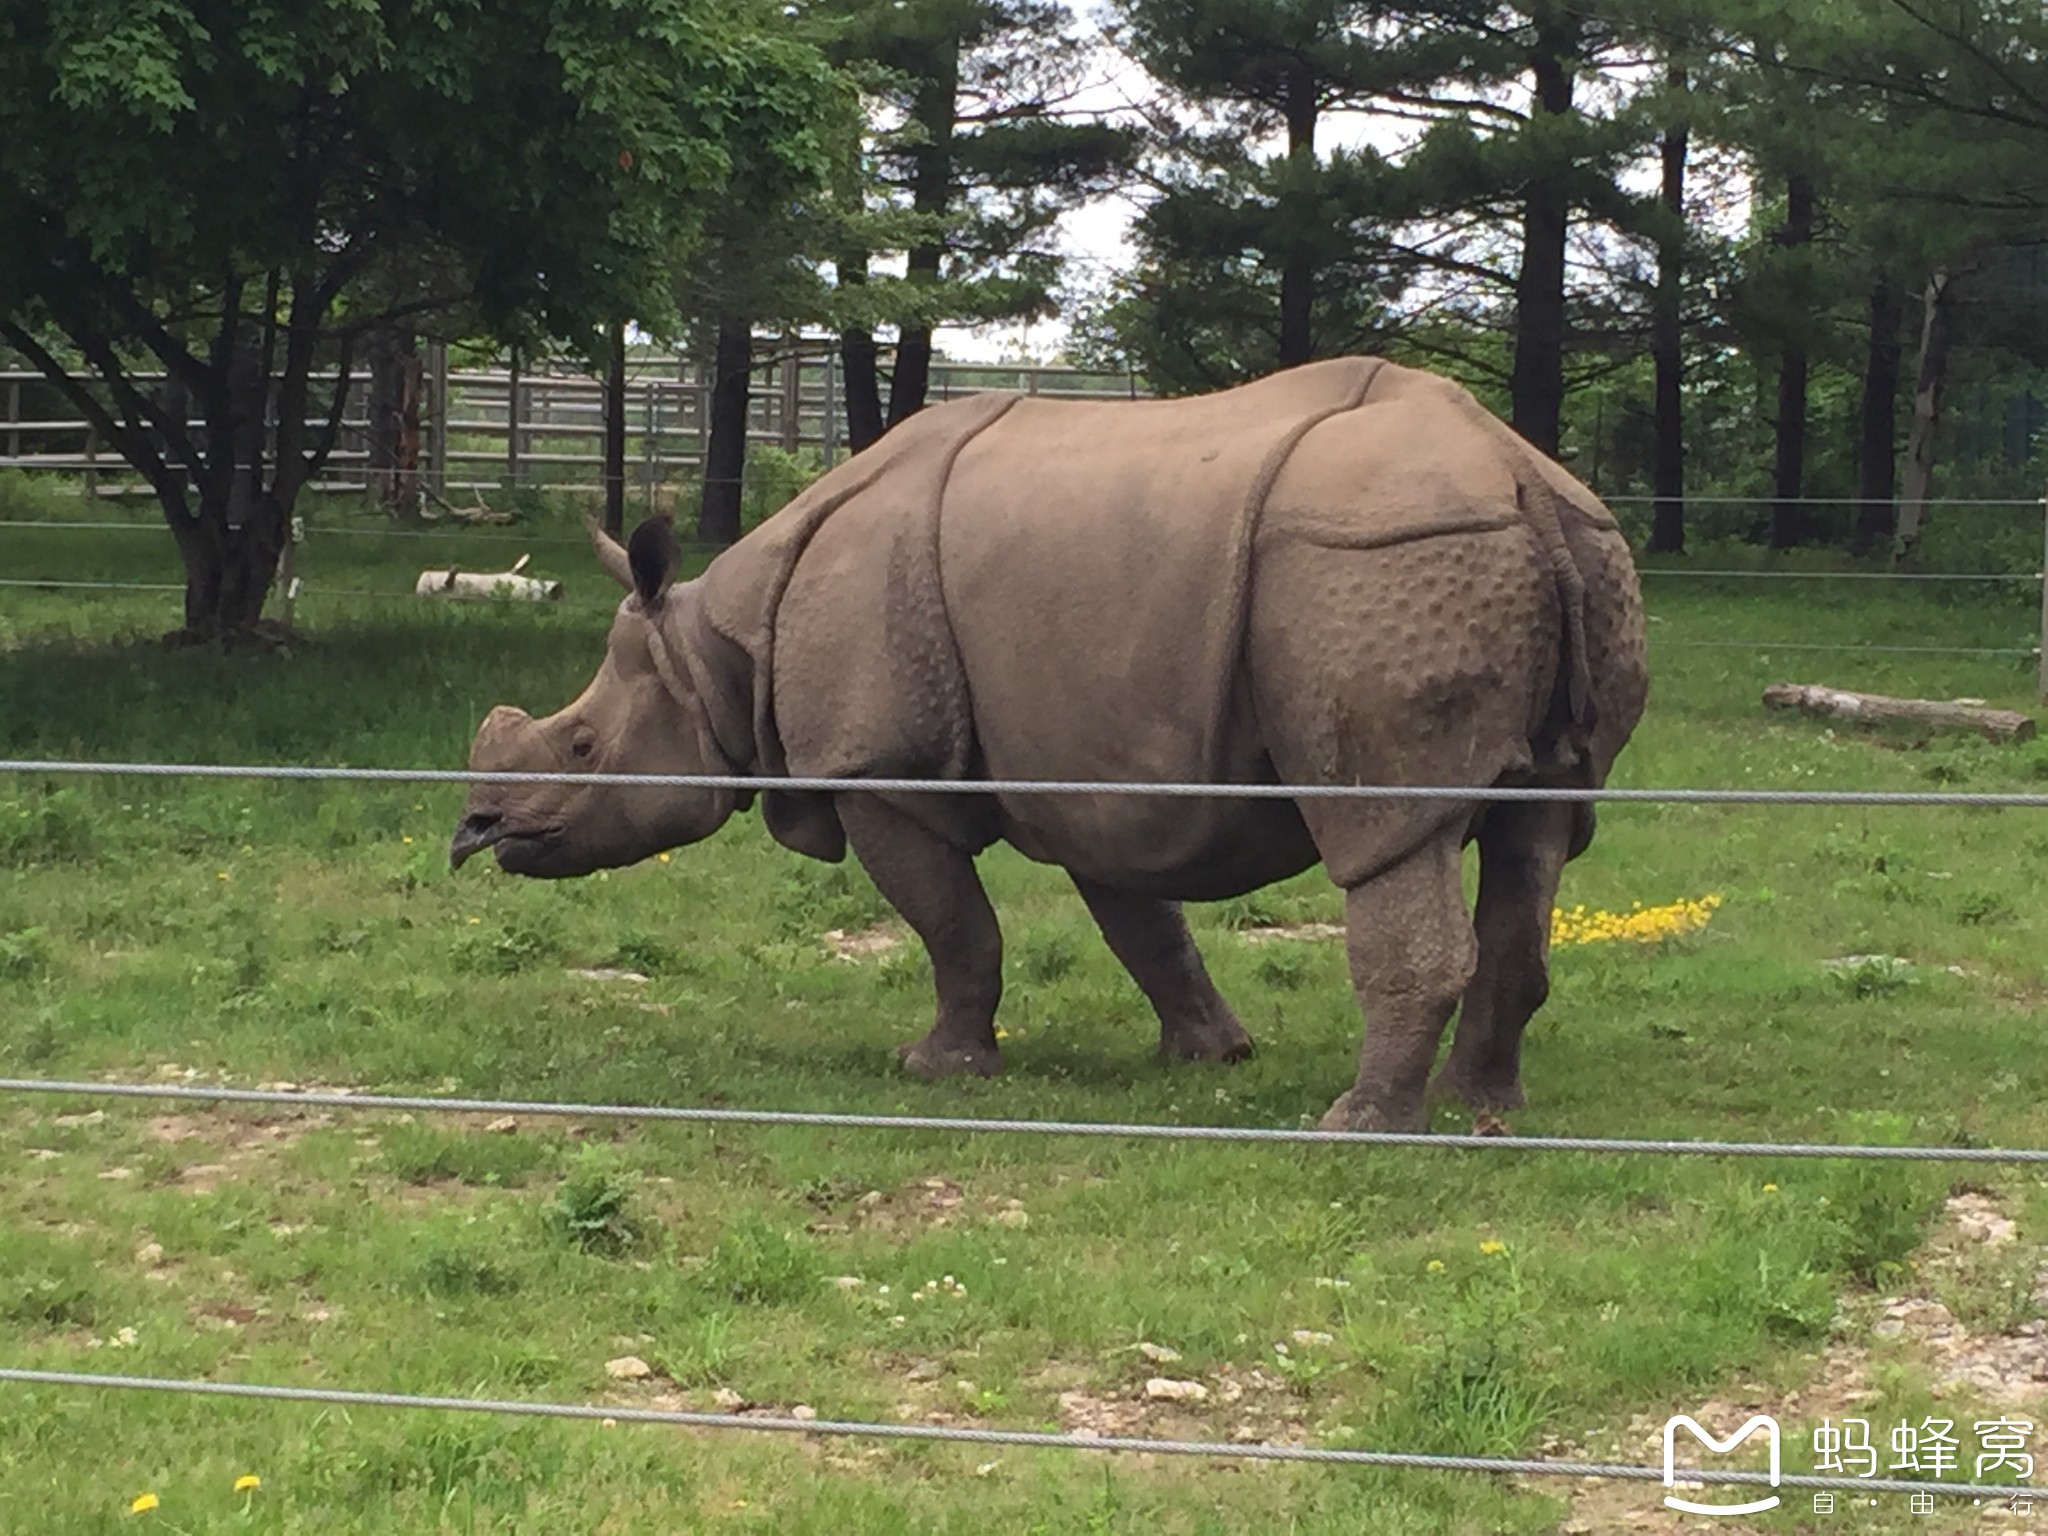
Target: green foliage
596,1208
757,1262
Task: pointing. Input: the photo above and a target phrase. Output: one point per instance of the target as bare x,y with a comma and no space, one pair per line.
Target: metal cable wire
958,1435
1672,570
506,534
1460,792
831,1120
1822,645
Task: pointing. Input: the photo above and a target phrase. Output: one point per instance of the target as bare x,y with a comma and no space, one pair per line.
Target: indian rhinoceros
1348,572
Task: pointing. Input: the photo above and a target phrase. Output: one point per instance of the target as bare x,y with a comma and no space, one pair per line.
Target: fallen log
486,584
1876,709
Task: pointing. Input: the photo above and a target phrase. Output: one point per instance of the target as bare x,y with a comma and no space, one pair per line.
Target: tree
238,205
976,145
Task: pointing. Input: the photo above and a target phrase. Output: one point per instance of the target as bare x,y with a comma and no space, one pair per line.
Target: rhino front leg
1522,853
1151,938
1412,953
935,887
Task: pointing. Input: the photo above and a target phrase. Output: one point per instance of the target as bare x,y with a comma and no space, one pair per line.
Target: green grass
312,934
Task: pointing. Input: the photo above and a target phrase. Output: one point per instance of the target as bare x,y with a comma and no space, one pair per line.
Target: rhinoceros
1345,573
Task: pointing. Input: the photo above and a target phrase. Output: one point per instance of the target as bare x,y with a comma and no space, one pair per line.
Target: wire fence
313,1098
1022,1439
950,1434
1173,789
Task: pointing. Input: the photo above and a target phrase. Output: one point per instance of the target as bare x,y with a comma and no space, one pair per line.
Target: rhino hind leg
1522,852
1150,938
936,889
1413,953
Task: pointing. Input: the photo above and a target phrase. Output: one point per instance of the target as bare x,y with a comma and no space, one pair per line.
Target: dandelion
248,1482
1436,1266
1770,1189
1638,925
220,874
474,921
143,1503
663,857
407,839
1492,1246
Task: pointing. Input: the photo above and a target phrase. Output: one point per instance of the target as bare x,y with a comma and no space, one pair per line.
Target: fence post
828,432
92,448
438,401
2043,674
792,393
13,416
512,423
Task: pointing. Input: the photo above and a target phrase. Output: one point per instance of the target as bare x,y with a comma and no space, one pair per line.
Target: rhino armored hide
1348,572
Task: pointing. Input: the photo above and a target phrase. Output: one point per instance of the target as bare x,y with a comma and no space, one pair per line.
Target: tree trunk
615,433
1536,385
863,389
725,447
229,567
1788,478
931,193
1937,327
1877,437
1667,471
393,443
1298,265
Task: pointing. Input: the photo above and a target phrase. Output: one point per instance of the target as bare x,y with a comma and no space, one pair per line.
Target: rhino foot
932,1058
1354,1112
1219,1039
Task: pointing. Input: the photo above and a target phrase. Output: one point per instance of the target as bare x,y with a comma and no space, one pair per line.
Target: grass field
1500,1304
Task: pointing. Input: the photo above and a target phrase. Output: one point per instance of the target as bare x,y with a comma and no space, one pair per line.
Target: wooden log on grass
487,584
1876,709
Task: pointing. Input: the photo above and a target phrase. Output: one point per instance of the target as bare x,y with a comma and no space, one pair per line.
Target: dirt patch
1999,1373
1313,933
868,944
920,1204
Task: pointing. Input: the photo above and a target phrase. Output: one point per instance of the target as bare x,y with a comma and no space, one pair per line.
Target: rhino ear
653,554
610,554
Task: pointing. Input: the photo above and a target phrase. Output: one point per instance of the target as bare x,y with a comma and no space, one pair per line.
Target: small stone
728,1400
503,1125
607,973
42,1154
848,1282
116,1175
803,1411
93,1117
628,1368
150,1255
1012,1216
1164,1389
922,1370
1310,1336
1159,1354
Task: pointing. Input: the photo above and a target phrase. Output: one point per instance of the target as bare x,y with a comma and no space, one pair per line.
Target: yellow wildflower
248,1482
1770,1189
220,874
1492,1246
1436,1266
1639,925
407,839
142,1504
663,857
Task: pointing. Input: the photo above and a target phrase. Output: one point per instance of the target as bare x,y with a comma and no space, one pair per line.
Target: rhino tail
1574,709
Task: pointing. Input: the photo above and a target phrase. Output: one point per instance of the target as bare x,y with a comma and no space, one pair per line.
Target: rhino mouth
488,829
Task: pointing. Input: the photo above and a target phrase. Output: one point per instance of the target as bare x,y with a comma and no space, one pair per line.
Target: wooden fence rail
489,428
